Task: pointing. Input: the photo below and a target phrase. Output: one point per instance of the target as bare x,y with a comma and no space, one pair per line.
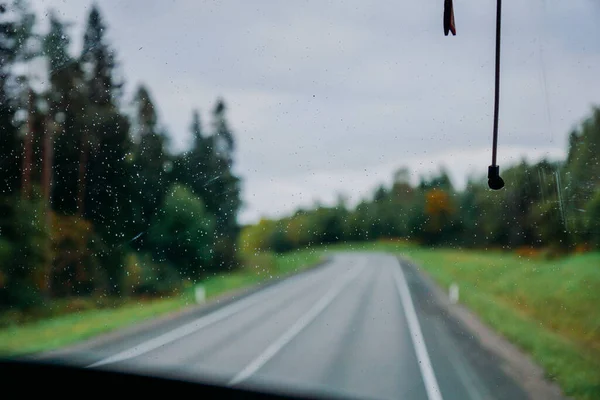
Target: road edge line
514,362
416,335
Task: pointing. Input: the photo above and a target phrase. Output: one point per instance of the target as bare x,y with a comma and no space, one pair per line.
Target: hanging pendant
449,18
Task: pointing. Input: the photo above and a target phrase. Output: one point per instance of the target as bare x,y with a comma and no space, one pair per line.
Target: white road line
298,326
431,385
190,327
176,334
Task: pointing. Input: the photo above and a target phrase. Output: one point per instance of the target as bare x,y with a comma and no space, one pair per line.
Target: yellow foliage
255,238
528,252
133,271
437,202
583,248
296,231
438,207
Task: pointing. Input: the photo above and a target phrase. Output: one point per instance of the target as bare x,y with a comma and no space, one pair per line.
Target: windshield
294,196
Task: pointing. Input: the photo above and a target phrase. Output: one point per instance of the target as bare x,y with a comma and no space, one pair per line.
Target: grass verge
58,331
547,308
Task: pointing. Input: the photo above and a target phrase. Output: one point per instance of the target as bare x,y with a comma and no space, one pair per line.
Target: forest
92,201
548,207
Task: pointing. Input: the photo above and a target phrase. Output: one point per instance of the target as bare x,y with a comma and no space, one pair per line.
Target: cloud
332,96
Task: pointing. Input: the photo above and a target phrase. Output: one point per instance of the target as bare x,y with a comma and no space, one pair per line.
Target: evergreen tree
10,152
195,168
98,62
579,181
207,170
104,175
150,156
223,137
224,189
16,34
68,103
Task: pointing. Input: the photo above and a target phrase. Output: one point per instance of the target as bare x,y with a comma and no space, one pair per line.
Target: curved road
362,326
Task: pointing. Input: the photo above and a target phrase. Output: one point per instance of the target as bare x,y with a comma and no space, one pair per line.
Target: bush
256,237
26,254
73,251
6,250
143,276
593,222
183,234
260,262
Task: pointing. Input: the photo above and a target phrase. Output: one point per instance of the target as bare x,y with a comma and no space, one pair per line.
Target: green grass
51,333
550,309
59,331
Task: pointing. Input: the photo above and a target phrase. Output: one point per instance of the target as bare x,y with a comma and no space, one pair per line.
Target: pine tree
195,168
197,130
104,175
98,61
207,170
15,34
150,156
68,104
224,189
223,137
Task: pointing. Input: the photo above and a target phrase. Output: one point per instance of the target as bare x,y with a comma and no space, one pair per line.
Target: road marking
190,327
298,326
431,385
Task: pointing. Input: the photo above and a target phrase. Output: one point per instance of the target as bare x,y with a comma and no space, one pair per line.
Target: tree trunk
47,161
83,159
27,149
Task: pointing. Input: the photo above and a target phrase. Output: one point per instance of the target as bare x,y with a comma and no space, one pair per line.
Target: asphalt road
362,325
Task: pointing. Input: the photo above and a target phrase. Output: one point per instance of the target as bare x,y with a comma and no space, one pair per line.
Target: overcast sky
329,97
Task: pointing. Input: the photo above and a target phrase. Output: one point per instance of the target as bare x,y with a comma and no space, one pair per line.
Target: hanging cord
495,182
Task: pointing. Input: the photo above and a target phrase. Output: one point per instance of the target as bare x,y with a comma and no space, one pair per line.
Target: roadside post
453,293
200,294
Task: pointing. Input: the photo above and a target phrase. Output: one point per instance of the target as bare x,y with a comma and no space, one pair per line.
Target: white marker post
453,293
200,294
